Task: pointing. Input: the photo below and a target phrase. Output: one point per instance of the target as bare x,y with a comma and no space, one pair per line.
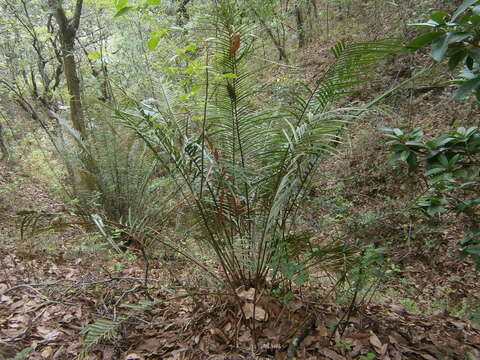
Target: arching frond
245,166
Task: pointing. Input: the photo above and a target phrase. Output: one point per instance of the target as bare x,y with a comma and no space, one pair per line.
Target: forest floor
51,288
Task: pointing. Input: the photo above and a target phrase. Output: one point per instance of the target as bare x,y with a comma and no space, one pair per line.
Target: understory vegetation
240,179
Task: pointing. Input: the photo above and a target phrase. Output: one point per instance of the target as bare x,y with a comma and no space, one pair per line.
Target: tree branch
77,15
60,16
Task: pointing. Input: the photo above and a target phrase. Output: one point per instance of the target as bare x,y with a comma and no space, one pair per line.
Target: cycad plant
124,189
244,168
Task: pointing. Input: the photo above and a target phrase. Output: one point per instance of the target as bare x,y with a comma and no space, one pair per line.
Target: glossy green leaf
471,130
397,131
456,59
404,155
387,129
399,148
458,36
393,137
461,131
443,160
461,173
474,54
412,160
434,210
415,144
434,171
474,19
465,5
439,17
440,47
473,250
467,87
422,40
154,2
442,141
395,157
453,160
469,63
428,24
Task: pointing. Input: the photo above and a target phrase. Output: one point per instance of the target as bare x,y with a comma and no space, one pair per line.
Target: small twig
38,294
345,316
31,286
78,282
135,288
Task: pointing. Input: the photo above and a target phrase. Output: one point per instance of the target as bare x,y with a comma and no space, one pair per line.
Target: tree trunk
84,182
315,8
300,27
3,147
276,42
67,31
182,14
73,85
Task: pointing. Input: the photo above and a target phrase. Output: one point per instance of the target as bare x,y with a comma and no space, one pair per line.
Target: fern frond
105,329
22,354
245,168
351,67
100,330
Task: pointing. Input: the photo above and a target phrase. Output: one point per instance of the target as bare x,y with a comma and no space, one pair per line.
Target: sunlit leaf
94,55
152,43
123,11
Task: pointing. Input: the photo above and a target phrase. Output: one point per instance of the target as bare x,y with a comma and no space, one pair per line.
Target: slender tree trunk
3,147
271,35
84,182
300,27
182,14
328,19
315,8
73,85
67,31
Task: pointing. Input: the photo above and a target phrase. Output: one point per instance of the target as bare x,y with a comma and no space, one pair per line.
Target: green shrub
451,174
455,37
126,187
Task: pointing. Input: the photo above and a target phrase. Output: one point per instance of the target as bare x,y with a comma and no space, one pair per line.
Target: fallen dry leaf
427,357
247,295
134,357
474,339
245,337
47,352
375,341
331,354
152,345
260,314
